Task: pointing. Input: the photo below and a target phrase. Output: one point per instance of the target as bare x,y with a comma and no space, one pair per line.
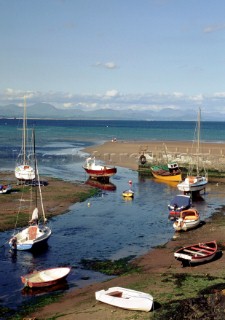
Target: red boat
197,253
45,278
98,171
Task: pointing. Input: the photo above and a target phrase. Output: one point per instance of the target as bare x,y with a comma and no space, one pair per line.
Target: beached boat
128,193
45,278
171,172
188,219
177,204
98,171
126,298
23,170
195,182
36,233
5,188
197,253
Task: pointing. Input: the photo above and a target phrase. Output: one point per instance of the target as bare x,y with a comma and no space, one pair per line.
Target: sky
117,54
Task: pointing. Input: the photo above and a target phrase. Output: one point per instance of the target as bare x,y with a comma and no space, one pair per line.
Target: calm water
105,226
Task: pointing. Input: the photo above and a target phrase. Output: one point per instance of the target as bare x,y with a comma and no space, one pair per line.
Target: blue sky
120,54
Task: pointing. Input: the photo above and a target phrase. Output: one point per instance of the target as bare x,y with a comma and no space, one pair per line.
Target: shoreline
127,153
158,266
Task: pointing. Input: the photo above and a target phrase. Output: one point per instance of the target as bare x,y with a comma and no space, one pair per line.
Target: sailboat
24,171
35,234
194,182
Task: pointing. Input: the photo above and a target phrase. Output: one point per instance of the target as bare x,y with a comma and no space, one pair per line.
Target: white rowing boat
126,298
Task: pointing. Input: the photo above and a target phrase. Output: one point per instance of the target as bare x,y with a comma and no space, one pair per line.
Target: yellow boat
128,193
171,172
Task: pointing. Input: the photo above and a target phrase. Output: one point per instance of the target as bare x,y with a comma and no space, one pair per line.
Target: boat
197,253
45,278
177,204
98,171
24,171
169,172
128,193
195,182
188,219
5,188
36,233
125,298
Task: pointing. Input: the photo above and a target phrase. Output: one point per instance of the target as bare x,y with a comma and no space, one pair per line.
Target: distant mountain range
48,111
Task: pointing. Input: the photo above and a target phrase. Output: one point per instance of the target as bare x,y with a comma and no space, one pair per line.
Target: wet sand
157,266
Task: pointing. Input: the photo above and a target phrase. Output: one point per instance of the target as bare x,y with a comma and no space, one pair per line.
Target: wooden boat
125,298
98,171
5,188
171,172
45,278
194,182
177,204
24,171
36,233
128,193
188,219
197,253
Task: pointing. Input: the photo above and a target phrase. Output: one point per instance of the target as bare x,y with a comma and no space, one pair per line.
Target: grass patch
185,296
29,307
109,267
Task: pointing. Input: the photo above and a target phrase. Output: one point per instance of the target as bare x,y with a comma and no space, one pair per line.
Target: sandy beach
159,270
127,153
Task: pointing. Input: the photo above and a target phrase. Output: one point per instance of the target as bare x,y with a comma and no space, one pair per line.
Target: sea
106,226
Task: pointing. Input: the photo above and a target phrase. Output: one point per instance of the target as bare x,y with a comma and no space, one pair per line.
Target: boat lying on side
188,219
45,278
5,188
197,253
125,298
177,204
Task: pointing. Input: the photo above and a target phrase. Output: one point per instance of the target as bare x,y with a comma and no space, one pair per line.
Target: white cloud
106,65
111,93
113,99
213,28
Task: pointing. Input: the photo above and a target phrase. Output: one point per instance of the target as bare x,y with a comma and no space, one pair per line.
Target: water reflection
108,186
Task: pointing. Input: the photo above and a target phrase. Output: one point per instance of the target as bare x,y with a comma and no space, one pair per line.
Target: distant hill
48,111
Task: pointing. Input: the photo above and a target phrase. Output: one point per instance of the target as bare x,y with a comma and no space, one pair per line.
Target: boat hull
45,278
105,172
128,194
24,172
169,177
188,186
188,219
25,240
5,188
186,225
197,253
125,298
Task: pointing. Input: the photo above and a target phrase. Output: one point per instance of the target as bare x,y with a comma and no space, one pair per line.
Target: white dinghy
125,298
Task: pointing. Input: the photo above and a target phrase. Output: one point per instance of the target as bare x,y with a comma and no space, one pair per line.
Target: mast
35,167
24,131
198,139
